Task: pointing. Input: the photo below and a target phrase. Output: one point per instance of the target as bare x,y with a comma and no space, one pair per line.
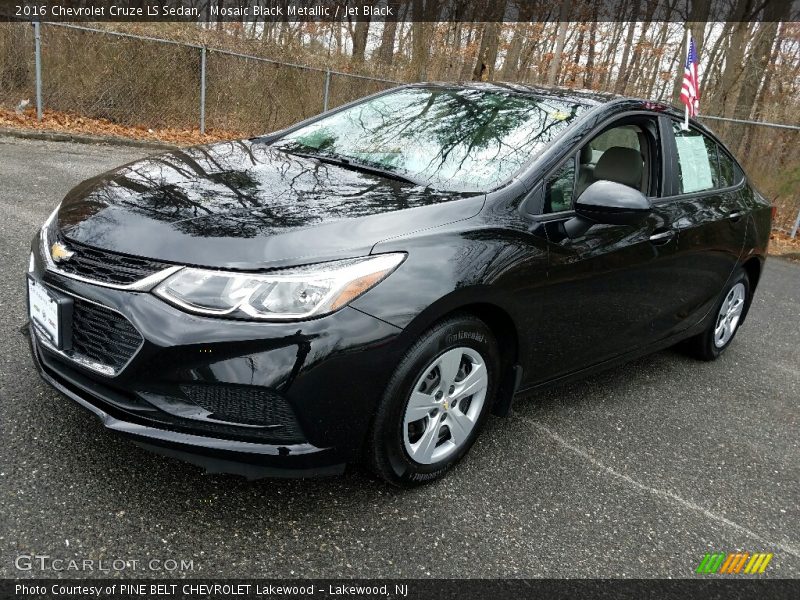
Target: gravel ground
636,472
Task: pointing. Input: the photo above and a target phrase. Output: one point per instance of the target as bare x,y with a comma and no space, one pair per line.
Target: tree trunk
660,41
386,50
634,70
511,61
487,53
589,76
708,80
360,34
622,75
552,72
573,78
421,37
610,55
765,87
490,40
757,68
732,74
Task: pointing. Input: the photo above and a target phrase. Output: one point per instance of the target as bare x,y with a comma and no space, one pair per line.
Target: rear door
706,193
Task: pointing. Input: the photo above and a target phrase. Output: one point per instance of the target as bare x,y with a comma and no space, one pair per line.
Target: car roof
591,98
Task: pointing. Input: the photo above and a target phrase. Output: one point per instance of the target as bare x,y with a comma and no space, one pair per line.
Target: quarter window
698,168
559,188
727,172
702,163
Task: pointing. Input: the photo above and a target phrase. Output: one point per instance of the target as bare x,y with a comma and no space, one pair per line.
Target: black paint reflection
469,139
227,191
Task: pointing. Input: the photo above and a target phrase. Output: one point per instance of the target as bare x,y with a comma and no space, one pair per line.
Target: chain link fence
17,64
770,154
254,96
142,81
125,80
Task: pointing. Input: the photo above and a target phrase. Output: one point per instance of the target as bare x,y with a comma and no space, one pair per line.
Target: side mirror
613,204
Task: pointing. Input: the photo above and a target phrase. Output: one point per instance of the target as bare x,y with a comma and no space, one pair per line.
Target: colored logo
734,563
60,252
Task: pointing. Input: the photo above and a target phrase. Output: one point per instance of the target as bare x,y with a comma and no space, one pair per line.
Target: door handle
735,216
662,237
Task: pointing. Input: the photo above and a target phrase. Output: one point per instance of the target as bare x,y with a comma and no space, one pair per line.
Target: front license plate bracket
55,308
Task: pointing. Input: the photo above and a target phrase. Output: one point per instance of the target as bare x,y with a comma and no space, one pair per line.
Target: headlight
300,293
44,235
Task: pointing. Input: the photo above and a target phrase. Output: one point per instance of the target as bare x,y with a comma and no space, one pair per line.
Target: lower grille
248,407
102,335
134,408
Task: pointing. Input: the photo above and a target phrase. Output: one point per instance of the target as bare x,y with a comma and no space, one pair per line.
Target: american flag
690,91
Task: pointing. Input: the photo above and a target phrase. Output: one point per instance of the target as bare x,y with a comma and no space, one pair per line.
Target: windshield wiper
355,165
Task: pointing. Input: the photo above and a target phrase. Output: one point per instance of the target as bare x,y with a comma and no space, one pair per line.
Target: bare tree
560,38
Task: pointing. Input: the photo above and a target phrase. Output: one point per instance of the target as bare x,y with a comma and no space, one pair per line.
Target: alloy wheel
444,405
729,315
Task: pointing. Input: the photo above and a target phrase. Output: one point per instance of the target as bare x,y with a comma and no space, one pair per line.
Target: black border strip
250,11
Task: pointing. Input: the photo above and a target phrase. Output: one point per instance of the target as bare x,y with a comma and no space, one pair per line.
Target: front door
612,289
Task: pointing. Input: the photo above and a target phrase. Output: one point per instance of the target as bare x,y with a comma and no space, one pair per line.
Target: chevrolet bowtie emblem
60,252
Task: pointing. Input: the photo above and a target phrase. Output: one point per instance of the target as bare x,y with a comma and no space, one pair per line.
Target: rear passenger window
559,187
698,166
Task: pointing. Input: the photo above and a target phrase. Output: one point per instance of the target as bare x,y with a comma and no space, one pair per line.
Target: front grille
108,267
247,406
102,335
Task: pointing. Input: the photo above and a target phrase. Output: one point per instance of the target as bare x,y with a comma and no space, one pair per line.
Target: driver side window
621,153
618,154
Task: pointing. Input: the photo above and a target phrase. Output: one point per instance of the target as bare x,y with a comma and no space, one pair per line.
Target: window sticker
695,166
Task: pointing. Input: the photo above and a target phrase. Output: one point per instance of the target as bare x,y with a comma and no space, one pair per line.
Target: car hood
244,204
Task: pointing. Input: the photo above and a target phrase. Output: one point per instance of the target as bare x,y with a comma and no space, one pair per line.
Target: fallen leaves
780,244
63,122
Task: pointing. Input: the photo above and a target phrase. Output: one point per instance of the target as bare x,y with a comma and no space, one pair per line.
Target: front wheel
435,403
729,314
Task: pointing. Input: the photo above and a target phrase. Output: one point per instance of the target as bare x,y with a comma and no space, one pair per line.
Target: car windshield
448,139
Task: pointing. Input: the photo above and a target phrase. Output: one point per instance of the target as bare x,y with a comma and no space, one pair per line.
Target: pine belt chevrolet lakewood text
372,283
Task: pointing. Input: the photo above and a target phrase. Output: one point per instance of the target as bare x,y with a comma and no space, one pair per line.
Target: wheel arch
502,326
752,267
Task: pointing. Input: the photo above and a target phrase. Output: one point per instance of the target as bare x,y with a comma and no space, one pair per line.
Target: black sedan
372,283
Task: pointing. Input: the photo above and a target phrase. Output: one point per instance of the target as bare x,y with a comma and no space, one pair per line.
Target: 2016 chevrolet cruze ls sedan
374,282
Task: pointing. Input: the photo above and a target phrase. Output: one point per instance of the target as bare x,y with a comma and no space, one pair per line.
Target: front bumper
256,399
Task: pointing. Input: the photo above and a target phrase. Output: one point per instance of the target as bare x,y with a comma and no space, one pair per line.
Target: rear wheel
729,313
435,403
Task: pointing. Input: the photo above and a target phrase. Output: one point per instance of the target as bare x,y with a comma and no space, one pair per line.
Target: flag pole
688,43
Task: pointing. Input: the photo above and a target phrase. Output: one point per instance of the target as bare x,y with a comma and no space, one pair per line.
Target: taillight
774,212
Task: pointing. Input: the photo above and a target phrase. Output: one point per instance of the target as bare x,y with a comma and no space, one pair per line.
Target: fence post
796,226
202,89
327,89
37,36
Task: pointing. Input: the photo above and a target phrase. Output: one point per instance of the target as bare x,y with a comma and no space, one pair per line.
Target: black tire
386,453
703,346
